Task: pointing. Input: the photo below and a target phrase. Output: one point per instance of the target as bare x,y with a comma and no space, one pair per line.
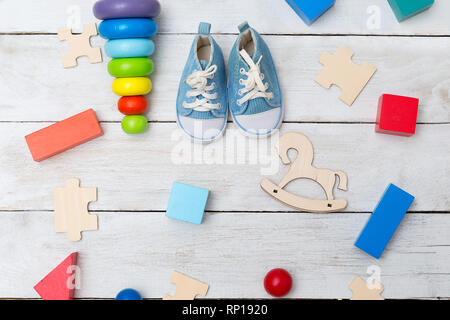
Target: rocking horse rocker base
302,168
297,202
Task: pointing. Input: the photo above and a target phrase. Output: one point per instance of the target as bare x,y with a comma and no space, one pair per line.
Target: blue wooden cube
384,221
187,203
404,9
310,10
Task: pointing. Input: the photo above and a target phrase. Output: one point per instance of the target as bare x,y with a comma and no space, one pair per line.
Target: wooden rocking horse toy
302,168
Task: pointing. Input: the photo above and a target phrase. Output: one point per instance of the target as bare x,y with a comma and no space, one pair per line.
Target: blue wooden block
310,10
187,203
384,221
404,9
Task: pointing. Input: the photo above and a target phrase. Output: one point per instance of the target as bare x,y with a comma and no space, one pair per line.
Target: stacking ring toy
127,24
129,48
127,28
130,67
132,86
113,9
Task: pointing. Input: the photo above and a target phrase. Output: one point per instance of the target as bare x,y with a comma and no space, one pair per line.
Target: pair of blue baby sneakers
253,91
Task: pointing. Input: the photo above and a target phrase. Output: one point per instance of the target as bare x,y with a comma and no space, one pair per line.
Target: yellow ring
137,86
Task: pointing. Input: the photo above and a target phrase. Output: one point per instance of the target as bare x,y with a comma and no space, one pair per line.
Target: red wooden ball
132,105
278,282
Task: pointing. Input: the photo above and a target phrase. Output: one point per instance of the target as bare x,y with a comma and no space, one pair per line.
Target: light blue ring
129,48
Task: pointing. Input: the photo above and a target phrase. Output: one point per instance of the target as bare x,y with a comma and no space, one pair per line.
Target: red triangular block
58,284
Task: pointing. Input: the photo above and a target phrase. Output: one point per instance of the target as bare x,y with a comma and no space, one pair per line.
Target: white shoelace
198,82
253,85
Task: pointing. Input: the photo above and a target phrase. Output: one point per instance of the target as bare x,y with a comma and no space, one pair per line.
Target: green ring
134,124
130,67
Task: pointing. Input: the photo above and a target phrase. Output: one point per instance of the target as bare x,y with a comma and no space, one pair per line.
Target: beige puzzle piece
361,291
187,288
71,209
79,45
339,69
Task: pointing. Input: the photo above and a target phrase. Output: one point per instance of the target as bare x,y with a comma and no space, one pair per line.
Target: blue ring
127,28
129,48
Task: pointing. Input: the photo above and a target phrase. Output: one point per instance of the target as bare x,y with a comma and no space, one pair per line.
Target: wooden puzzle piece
187,288
79,45
63,135
361,290
384,221
59,284
71,214
302,168
339,69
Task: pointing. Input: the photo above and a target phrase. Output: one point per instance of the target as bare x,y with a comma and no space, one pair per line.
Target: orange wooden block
64,135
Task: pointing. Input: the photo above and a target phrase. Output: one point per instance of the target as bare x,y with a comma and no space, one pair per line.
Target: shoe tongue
203,64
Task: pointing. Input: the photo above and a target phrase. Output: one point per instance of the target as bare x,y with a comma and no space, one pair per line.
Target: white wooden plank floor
245,232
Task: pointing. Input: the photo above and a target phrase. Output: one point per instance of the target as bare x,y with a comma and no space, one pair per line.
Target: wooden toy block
60,283
79,45
71,214
309,10
339,69
405,9
302,168
397,115
187,288
361,290
384,221
187,203
63,135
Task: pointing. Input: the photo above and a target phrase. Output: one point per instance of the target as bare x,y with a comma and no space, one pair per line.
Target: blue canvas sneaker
254,92
202,107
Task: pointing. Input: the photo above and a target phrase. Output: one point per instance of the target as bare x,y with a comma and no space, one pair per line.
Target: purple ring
112,9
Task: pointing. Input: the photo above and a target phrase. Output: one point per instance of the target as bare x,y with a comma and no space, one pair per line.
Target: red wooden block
58,284
64,135
397,115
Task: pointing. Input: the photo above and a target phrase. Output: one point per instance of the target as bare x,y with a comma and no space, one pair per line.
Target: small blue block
128,294
187,203
310,10
384,221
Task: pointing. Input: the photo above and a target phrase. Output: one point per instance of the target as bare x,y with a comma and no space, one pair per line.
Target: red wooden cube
397,115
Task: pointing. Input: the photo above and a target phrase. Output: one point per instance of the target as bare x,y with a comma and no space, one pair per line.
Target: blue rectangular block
384,221
310,10
187,203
